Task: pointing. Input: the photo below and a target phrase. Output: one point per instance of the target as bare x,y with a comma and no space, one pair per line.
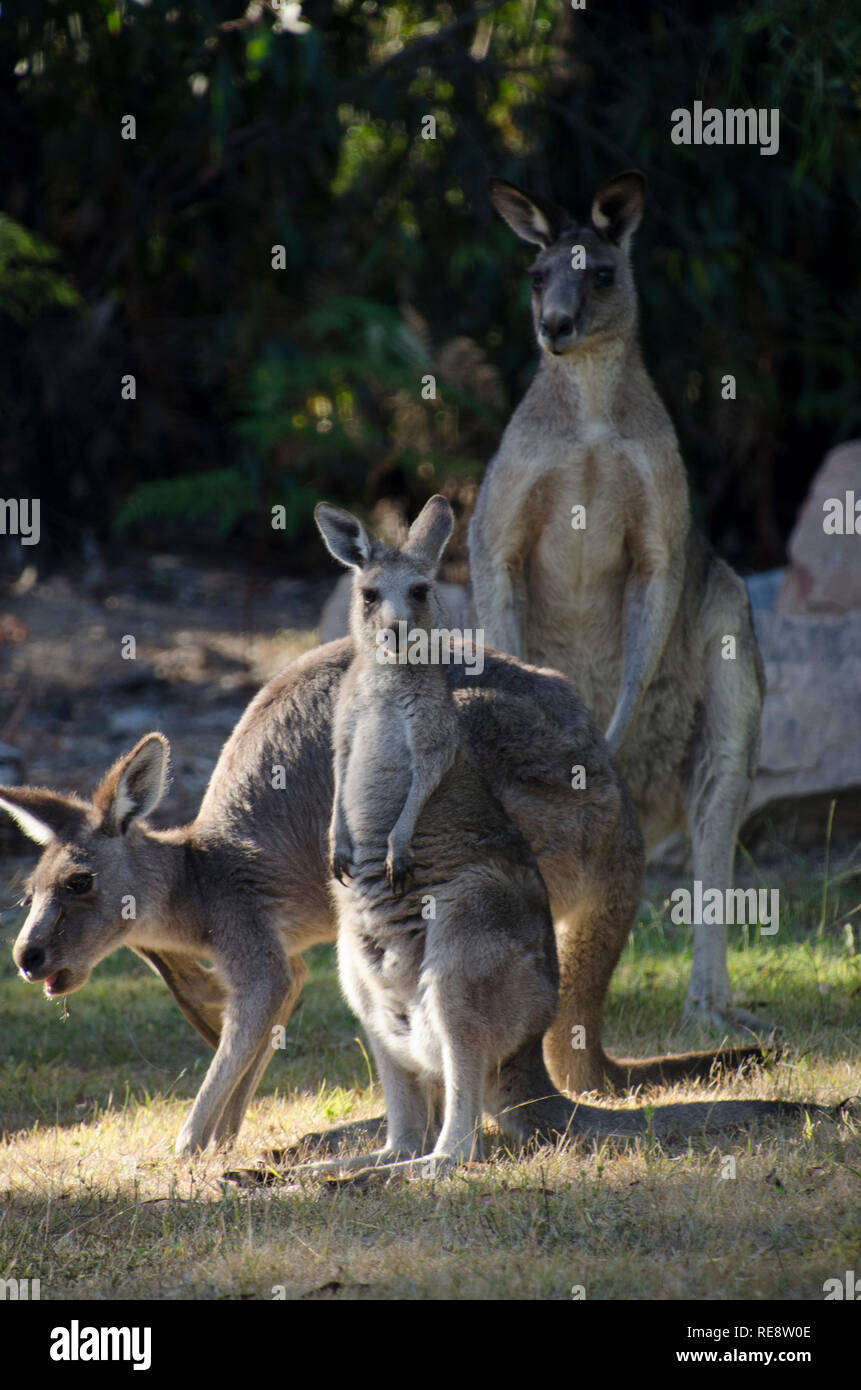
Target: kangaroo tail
624,1073
528,1107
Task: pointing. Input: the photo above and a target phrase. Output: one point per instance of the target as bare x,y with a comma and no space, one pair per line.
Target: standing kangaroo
453,975
445,946
245,884
584,557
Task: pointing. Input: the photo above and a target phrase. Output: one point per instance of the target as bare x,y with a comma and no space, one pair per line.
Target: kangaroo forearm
649,611
338,830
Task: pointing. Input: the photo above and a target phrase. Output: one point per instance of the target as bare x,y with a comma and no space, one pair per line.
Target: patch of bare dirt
89,665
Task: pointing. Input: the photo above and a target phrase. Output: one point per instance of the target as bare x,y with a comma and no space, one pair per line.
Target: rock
334,619
810,721
808,624
825,569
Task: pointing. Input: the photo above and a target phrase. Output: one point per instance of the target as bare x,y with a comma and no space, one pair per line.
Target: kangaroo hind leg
723,767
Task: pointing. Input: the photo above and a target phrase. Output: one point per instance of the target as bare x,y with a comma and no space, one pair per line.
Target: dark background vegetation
257,386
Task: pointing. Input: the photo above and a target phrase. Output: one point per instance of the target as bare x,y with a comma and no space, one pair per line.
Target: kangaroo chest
576,571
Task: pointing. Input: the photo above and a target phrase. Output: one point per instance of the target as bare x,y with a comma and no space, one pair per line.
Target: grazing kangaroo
245,884
584,557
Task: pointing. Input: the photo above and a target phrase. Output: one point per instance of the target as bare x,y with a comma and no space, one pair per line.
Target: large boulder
824,575
809,632
811,720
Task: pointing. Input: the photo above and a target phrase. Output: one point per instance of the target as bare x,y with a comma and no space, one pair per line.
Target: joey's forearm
399,859
418,797
426,778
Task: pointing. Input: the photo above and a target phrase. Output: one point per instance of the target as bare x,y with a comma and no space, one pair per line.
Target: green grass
94,1204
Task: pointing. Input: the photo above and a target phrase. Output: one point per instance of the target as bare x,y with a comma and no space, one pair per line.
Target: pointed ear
617,207
133,787
533,219
43,815
430,532
345,536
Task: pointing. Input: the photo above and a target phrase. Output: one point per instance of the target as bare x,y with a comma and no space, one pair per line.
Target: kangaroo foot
334,1168
328,1141
428,1166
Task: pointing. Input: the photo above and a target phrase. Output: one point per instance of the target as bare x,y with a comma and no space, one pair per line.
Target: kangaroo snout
31,952
29,961
39,965
556,330
42,956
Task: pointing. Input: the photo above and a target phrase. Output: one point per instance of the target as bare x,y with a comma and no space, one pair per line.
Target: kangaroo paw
329,1141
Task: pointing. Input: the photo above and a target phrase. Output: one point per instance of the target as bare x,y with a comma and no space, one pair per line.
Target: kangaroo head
91,863
390,587
582,282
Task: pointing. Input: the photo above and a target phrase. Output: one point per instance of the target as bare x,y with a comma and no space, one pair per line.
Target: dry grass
93,1203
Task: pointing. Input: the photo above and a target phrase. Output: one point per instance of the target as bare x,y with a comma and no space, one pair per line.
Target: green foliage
255,132
28,284
220,497
340,417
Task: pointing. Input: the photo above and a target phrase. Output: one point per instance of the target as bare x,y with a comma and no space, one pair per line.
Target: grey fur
633,608
246,883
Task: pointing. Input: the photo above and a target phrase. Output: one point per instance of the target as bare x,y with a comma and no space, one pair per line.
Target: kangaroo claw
399,868
341,865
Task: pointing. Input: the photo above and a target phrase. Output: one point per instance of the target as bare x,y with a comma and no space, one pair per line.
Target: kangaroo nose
556,326
32,959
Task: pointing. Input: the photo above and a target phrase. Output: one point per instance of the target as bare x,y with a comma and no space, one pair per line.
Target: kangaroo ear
42,815
617,207
430,532
345,536
133,787
533,219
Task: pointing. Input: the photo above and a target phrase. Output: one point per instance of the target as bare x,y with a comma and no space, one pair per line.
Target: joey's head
582,282
394,590
90,886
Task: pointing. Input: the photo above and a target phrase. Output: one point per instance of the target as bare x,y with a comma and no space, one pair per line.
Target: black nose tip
32,959
555,328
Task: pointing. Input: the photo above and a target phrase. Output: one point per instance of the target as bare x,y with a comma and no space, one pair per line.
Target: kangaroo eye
420,592
537,280
370,596
604,277
79,883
